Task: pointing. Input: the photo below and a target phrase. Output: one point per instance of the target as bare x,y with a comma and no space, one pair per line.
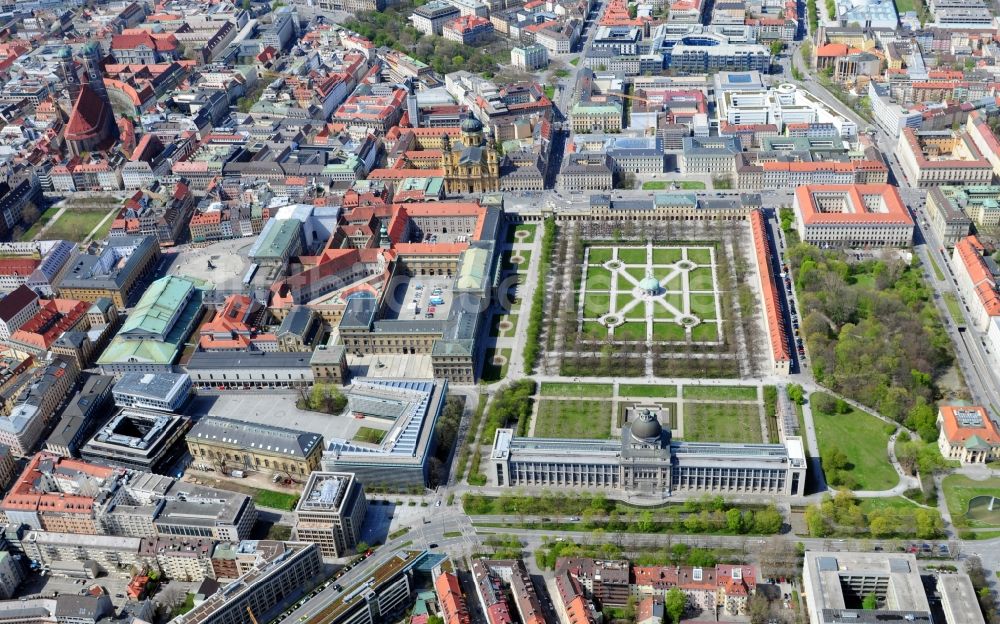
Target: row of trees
511,404
538,298
872,329
843,515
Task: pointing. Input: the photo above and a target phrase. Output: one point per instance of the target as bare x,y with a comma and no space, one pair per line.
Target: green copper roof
470,275
159,306
975,443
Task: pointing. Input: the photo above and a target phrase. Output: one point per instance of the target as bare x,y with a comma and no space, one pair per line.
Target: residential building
586,171
16,308
179,558
237,445
646,459
852,215
153,391
451,601
12,574
115,272
489,590
39,265
159,210
36,404
596,116
968,434
836,581
331,512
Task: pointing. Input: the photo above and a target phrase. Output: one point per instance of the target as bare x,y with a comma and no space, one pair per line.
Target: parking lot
405,291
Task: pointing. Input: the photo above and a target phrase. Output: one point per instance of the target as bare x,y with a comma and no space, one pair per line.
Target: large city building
113,272
852,215
942,157
647,460
838,582
237,445
146,440
968,434
976,274
410,408
331,512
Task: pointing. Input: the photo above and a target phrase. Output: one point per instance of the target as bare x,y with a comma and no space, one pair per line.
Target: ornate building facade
472,167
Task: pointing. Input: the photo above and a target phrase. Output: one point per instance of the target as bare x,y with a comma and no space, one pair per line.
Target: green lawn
670,332
592,330
599,391
675,299
721,393
705,332
691,185
562,73
895,502
577,418
598,278
525,256
631,331
632,255
102,233
902,6
934,265
654,185
275,500
708,422
595,305
369,435
700,255
574,61
512,231
549,91
701,279
647,390
959,489
666,255
44,218
74,226
599,255
863,439
954,308
703,305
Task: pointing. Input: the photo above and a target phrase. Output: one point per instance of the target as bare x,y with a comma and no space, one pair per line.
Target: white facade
529,58
782,105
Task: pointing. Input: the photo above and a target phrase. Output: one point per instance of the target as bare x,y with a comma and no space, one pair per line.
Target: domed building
649,285
475,166
647,428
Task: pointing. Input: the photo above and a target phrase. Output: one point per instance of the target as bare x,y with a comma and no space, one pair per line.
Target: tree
30,214
759,608
674,604
776,48
362,547
870,603
768,521
245,5
645,523
796,393
734,520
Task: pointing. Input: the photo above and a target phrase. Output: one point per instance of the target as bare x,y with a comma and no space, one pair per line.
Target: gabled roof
87,113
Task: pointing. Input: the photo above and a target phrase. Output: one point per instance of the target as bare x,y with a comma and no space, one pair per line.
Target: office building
411,409
113,272
282,571
837,582
968,434
942,157
331,512
852,215
976,274
35,405
947,219
431,17
82,555
156,391
646,459
12,574
145,440
709,155
237,445
530,57
86,409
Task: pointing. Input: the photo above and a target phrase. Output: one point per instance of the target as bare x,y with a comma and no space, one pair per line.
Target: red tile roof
854,194
769,290
970,251
86,116
958,434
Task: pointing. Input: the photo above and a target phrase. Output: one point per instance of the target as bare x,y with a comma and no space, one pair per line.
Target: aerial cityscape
500,311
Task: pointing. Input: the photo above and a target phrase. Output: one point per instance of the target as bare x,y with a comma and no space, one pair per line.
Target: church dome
471,124
647,427
649,284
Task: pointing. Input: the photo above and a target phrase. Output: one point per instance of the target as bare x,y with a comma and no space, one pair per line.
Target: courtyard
650,294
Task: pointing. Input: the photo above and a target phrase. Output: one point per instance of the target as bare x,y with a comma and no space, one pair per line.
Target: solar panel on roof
827,564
